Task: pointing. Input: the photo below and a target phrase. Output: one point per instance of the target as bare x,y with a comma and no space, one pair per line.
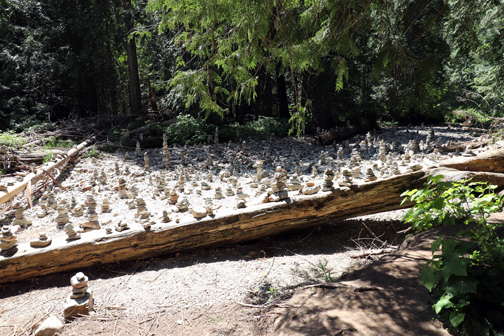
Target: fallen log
37,157
489,161
454,175
225,227
298,211
33,178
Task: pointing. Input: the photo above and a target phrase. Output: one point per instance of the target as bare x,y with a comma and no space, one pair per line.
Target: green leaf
454,265
444,302
456,319
428,278
435,244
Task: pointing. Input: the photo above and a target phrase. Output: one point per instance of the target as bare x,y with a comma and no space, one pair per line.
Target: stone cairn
121,226
8,239
183,205
72,235
80,301
346,178
328,180
278,191
121,189
63,217
173,197
293,183
19,215
229,191
370,176
165,218
42,241
138,152
146,161
105,206
78,210
142,211
218,193
259,164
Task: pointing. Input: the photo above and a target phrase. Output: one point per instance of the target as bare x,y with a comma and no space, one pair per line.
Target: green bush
11,140
466,277
187,128
268,125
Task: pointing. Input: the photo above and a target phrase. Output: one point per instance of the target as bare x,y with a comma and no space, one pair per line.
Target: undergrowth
12,140
197,130
465,277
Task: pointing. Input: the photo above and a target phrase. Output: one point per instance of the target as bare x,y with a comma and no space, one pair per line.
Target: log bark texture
34,178
297,212
489,161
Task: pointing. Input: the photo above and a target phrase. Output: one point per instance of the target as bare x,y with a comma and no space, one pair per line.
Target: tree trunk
134,79
283,103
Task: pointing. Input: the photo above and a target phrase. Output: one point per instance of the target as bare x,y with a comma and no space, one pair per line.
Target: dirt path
201,293
383,298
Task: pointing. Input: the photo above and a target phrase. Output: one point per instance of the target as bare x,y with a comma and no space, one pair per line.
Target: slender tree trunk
134,78
283,104
268,101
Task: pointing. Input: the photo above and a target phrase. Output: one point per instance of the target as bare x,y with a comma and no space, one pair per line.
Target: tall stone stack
259,164
19,215
8,239
328,180
63,217
81,300
121,189
278,187
72,235
138,151
146,161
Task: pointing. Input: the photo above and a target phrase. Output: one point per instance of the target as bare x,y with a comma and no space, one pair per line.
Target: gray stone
78,307
51,326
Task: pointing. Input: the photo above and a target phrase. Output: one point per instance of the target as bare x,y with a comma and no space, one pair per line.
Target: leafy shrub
187,128
11,140
278,127
58,143
467,277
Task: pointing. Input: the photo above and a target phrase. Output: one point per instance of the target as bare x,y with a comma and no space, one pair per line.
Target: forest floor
299,283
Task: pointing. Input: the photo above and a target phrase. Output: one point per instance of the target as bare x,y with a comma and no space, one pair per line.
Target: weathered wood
451,174
34,178
37,157
96,247
489,161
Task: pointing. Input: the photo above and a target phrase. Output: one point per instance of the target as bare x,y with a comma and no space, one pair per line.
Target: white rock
49,327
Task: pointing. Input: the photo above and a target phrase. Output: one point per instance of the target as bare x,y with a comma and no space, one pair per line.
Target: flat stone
198,212
79,280
51,326
78,307
40,243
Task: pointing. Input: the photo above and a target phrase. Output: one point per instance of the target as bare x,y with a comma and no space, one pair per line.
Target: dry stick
29,194
115,325
52,178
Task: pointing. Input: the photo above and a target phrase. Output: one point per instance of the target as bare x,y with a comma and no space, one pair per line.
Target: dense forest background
320,63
